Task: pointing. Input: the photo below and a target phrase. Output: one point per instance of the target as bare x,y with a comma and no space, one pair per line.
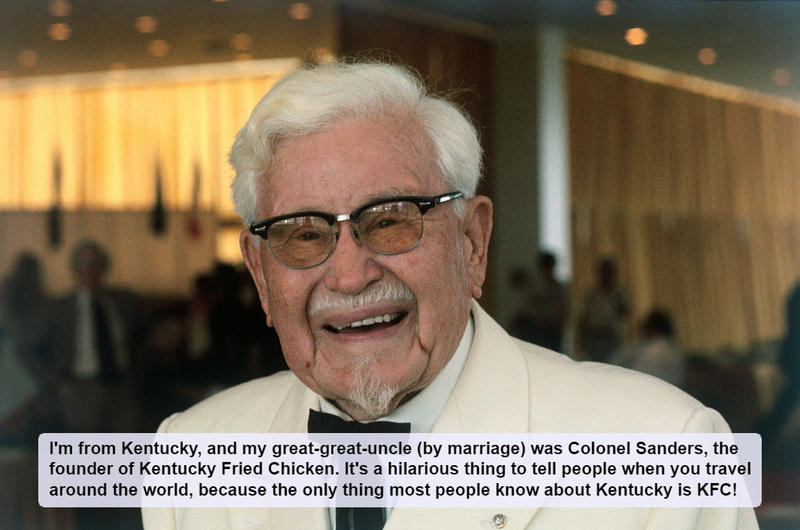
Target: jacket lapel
291,417
491,396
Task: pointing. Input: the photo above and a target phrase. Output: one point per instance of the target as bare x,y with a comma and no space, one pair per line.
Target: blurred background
642,157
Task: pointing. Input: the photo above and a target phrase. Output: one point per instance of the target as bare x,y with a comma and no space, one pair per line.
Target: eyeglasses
387,226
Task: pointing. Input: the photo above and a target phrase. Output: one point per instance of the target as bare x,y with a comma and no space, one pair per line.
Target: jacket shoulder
597,397
248,407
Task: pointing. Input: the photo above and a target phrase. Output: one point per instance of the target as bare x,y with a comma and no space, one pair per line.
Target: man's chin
370,402
371,385
370,396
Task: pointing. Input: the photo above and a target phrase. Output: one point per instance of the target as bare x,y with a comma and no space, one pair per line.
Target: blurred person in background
549,306
21,297
85,347
783,422
544,305
655,352
600,330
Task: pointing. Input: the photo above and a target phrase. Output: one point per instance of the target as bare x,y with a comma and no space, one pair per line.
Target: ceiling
751,39
756,43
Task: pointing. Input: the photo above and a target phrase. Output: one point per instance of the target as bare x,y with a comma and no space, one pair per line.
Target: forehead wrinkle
407,141
412,146
280,158
388,193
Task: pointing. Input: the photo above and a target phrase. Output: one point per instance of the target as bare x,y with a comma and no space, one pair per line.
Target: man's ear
477,231
252,258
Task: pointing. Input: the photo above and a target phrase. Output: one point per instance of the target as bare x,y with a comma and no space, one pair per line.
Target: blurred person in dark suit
85,346
775,427
21,297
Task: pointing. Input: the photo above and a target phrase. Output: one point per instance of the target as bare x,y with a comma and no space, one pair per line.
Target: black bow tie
321,422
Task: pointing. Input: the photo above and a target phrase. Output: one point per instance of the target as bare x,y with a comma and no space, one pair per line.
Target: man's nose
351,265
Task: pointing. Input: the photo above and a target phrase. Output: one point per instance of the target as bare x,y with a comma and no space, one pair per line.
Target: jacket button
499,520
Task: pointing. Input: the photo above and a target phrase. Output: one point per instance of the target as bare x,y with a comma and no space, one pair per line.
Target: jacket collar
491,396
492,393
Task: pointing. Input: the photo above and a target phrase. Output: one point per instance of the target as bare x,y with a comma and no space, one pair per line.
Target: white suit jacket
506,386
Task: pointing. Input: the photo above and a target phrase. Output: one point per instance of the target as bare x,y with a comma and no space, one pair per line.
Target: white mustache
395,291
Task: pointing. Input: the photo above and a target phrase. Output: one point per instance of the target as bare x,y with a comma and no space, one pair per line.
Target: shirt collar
423,410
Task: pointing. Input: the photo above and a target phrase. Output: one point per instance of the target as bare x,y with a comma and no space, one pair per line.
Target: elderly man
368,247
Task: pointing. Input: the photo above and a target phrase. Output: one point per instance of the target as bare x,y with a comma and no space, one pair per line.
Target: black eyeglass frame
261,228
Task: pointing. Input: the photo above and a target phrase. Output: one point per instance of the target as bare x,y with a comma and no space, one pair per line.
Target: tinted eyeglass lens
388,228
391,227
300,241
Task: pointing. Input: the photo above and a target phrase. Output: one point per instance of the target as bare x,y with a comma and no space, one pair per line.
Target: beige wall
515,238
163,265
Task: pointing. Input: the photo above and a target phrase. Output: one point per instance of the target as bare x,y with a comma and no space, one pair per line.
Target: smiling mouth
369,324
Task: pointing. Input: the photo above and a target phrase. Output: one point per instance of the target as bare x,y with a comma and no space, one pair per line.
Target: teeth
388,317
365,322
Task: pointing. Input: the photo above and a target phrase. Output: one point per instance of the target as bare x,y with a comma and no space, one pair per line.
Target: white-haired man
368,247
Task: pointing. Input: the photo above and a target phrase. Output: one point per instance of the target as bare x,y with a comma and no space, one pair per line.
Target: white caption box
433,470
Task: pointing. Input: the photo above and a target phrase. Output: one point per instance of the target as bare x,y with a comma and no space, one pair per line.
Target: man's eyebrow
389,194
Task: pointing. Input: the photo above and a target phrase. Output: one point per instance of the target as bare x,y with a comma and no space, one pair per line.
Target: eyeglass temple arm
424,206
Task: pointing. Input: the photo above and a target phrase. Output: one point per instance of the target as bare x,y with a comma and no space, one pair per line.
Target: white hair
374,293
369,392
316,97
